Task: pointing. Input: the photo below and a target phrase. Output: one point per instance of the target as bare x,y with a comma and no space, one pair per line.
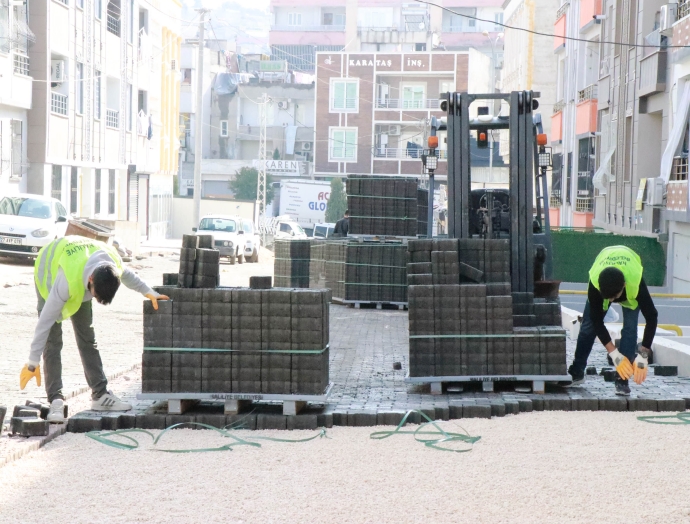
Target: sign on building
283,168
273,65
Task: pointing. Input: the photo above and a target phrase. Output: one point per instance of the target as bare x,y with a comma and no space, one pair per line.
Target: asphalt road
671,311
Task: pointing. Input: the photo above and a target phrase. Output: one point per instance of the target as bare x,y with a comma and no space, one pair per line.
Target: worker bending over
616,276
68,273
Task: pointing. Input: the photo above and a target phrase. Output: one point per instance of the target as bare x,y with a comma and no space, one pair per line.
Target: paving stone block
110,421
537,403
476,411
665,371
613,404
389,418
340,418
304,421
362,419
557,403
512,407
269,421
43,408
414,418
671,404
525,405
642,404
215,420
498,409
585,404
127,421
29,426
591,370
429,412
171,420
26,412
455,411
324,420
687,406
442,413
150,421
83,423
239,421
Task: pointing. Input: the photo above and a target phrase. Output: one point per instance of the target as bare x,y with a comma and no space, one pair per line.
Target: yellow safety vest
628,262
71,254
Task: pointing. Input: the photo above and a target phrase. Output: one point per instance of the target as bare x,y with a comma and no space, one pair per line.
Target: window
224,225
97,95
223,128
80,4
56,183
130,21
79,88
413,96
186,77
111,192
129,107
420,47
375,17
344,95
98,8
97,202
285,228
248,228
343,144
294,18
73,190
327,19
17,149
498,19
113,22
333,19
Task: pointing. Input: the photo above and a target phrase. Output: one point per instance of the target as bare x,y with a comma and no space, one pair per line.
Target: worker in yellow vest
68,273
616,277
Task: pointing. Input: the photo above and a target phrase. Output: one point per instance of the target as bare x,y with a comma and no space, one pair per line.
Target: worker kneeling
616,276
68,273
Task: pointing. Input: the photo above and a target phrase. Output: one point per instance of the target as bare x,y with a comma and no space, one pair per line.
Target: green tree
337,203
276,154
244,184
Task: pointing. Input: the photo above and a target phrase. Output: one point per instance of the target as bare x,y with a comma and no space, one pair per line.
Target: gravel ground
540,467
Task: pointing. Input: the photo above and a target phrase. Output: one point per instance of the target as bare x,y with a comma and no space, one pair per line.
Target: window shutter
351,95
339,95
350,144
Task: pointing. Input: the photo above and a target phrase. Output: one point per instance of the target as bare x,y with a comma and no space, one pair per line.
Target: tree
337,203
245,182
276,154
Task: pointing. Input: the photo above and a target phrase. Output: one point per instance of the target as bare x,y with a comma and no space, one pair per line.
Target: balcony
401,153
653,65
308,28
398,103
460,29
683,8
586,117
588,93
557,125
392,35
113,24
588,10
677,195
559,29
112,118
58,103
21,64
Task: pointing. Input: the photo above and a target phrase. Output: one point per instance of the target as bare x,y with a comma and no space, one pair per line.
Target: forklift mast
527,175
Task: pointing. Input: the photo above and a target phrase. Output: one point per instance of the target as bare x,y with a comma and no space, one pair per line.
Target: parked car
29,222
289,230
324,230
235,237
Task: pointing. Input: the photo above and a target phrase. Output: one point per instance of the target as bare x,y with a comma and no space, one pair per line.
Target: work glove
622,364
641,365
154,299
30,370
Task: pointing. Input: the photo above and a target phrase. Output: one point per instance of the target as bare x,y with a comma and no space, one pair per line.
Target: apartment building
301,29
103,128
15,97
373,109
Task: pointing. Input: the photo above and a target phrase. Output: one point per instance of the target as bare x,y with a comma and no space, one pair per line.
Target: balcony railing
400,28
113,24
588,93
314,28
460,29
399,103
21,64
679,171
558,106
652,73
683,8
677,195
562,10
400,153
58,103
584,204
112,118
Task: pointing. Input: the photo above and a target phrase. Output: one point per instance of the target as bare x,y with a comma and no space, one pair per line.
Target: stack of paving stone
382,206
422,211
335,268
317,264
199,263
460,290
291,266
236,340
27,421
375,272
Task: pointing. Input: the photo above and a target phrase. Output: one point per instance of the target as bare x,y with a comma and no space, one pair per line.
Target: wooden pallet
488,381
178,403
357,304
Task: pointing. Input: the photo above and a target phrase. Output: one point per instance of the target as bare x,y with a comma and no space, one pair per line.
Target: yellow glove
641,365
154,299
622,364
29,371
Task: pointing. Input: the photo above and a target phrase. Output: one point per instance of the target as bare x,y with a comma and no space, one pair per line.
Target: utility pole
199,115
260,207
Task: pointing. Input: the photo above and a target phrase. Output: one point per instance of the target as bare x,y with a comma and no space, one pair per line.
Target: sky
247,21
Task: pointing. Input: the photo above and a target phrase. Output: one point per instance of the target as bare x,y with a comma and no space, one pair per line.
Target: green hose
677,419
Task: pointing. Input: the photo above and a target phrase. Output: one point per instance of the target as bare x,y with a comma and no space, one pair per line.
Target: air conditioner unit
283,104
57,71
306,146
655,191
667,17
394,130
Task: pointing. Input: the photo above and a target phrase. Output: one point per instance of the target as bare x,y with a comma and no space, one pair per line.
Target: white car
29,222
235,237
289,230
324,230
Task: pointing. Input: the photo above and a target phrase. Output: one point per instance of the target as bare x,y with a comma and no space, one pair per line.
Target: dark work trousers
587,336
82,323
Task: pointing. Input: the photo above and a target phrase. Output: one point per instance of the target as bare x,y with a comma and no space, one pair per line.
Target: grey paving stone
671,404
340,418
613,404
537,403
442,413
26,412
127,421
476,411
217,421
512,407
585,404
29,426
324,420
304,421
150,421
247,421
171,420
642,404
389,418
498,409
455,411
429,412
269,421
552,403
363,419
82,423
110,421
414,418
525,405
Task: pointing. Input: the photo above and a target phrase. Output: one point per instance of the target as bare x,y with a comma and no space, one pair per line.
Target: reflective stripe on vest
629,263
71,255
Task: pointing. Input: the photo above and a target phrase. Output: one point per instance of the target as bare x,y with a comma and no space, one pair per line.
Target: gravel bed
538,467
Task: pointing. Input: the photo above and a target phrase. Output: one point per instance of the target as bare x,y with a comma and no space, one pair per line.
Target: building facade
373,109
103,126
15,97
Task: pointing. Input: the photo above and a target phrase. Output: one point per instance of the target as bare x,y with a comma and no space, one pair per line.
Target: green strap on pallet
441,436
506,335
216,350
676,420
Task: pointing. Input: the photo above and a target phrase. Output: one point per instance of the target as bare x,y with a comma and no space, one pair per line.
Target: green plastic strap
387,218
675,420
386,197
295,259
440,435
368,284
554,335
374,265
216,350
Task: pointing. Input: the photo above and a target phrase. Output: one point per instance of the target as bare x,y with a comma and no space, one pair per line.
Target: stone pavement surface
118,326
365,344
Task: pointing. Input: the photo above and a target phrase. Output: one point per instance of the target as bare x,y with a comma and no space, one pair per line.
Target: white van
289,230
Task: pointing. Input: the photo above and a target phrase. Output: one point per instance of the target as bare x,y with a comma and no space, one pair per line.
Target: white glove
622,364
